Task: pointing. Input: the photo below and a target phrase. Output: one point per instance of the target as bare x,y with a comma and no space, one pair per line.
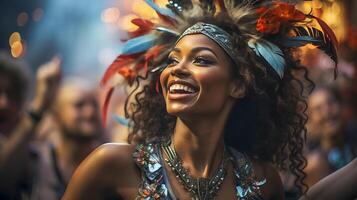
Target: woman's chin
178,109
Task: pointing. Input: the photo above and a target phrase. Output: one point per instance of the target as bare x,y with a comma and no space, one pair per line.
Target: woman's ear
237,90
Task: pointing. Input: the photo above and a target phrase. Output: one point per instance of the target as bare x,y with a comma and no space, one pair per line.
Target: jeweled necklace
200,188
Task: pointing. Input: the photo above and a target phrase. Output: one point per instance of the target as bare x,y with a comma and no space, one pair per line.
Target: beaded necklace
155,185
199,188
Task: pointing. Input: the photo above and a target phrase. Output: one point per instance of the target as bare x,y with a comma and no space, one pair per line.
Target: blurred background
85,37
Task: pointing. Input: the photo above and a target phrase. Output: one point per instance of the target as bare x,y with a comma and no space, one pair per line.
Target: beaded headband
218,35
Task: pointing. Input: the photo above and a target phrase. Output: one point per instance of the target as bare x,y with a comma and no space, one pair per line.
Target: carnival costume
270,28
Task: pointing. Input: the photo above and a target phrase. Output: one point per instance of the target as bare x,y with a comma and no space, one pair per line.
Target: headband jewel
220,36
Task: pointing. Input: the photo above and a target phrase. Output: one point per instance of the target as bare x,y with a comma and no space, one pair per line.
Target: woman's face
198,78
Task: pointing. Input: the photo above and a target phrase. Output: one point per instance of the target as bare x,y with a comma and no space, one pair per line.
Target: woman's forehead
197,41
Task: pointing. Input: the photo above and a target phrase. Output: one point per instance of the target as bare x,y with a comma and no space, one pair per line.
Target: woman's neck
200,145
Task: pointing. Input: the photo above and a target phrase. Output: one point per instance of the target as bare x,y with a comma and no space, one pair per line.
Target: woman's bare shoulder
273,188
107,169
116,154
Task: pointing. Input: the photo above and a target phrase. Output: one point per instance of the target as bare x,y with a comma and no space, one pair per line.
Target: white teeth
181,87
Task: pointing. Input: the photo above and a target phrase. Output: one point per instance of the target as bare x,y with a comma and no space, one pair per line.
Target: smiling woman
229,112
200,65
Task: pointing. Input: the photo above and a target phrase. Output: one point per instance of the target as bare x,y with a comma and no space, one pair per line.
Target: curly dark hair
268,123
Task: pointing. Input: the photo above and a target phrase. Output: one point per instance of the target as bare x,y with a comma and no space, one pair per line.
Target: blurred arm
339,185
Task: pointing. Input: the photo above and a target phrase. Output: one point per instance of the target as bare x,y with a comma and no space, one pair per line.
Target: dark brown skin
110,171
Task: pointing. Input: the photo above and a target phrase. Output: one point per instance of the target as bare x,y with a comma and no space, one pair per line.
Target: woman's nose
180,70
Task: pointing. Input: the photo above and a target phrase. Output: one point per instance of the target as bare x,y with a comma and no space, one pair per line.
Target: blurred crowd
44,138
331,139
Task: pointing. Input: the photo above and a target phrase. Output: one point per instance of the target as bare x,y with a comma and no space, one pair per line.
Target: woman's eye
203,61
171,61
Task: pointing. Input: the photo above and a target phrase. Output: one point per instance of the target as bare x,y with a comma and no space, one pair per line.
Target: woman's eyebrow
197,49
177,50
194,50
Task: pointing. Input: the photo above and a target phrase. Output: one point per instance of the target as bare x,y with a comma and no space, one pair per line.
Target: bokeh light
37,14
14,37
110,15
17,49
22,19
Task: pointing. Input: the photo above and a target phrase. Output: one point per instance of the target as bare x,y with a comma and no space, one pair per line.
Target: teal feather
121,120
163,11
139,44
299,41
270,53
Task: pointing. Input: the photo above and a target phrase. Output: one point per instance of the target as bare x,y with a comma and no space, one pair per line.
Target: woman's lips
180,90
180,96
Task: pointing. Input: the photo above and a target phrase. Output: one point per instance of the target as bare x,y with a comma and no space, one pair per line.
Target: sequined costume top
155,184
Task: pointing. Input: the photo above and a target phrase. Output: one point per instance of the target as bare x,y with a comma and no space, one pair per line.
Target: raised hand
47,83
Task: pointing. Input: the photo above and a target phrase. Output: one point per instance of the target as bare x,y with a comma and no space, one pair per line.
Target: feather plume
219,5
144,27
327,31
325,44
152,54
242,15
162,11
120,62
271,53
139,44
166,30
299,41
165,14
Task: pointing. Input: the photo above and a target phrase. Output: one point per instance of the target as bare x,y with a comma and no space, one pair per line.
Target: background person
18,122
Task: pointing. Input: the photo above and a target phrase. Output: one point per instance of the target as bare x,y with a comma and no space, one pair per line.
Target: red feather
128,74
144,27
151,54
120,62
108,96
331,35
328,31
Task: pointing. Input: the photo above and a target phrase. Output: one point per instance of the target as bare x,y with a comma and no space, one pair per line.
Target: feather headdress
270,26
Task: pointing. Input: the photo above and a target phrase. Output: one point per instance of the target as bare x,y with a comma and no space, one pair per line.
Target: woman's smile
181,90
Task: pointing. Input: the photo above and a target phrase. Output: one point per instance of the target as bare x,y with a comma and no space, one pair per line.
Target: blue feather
121,120
139,44
162,11
270,53
299,41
